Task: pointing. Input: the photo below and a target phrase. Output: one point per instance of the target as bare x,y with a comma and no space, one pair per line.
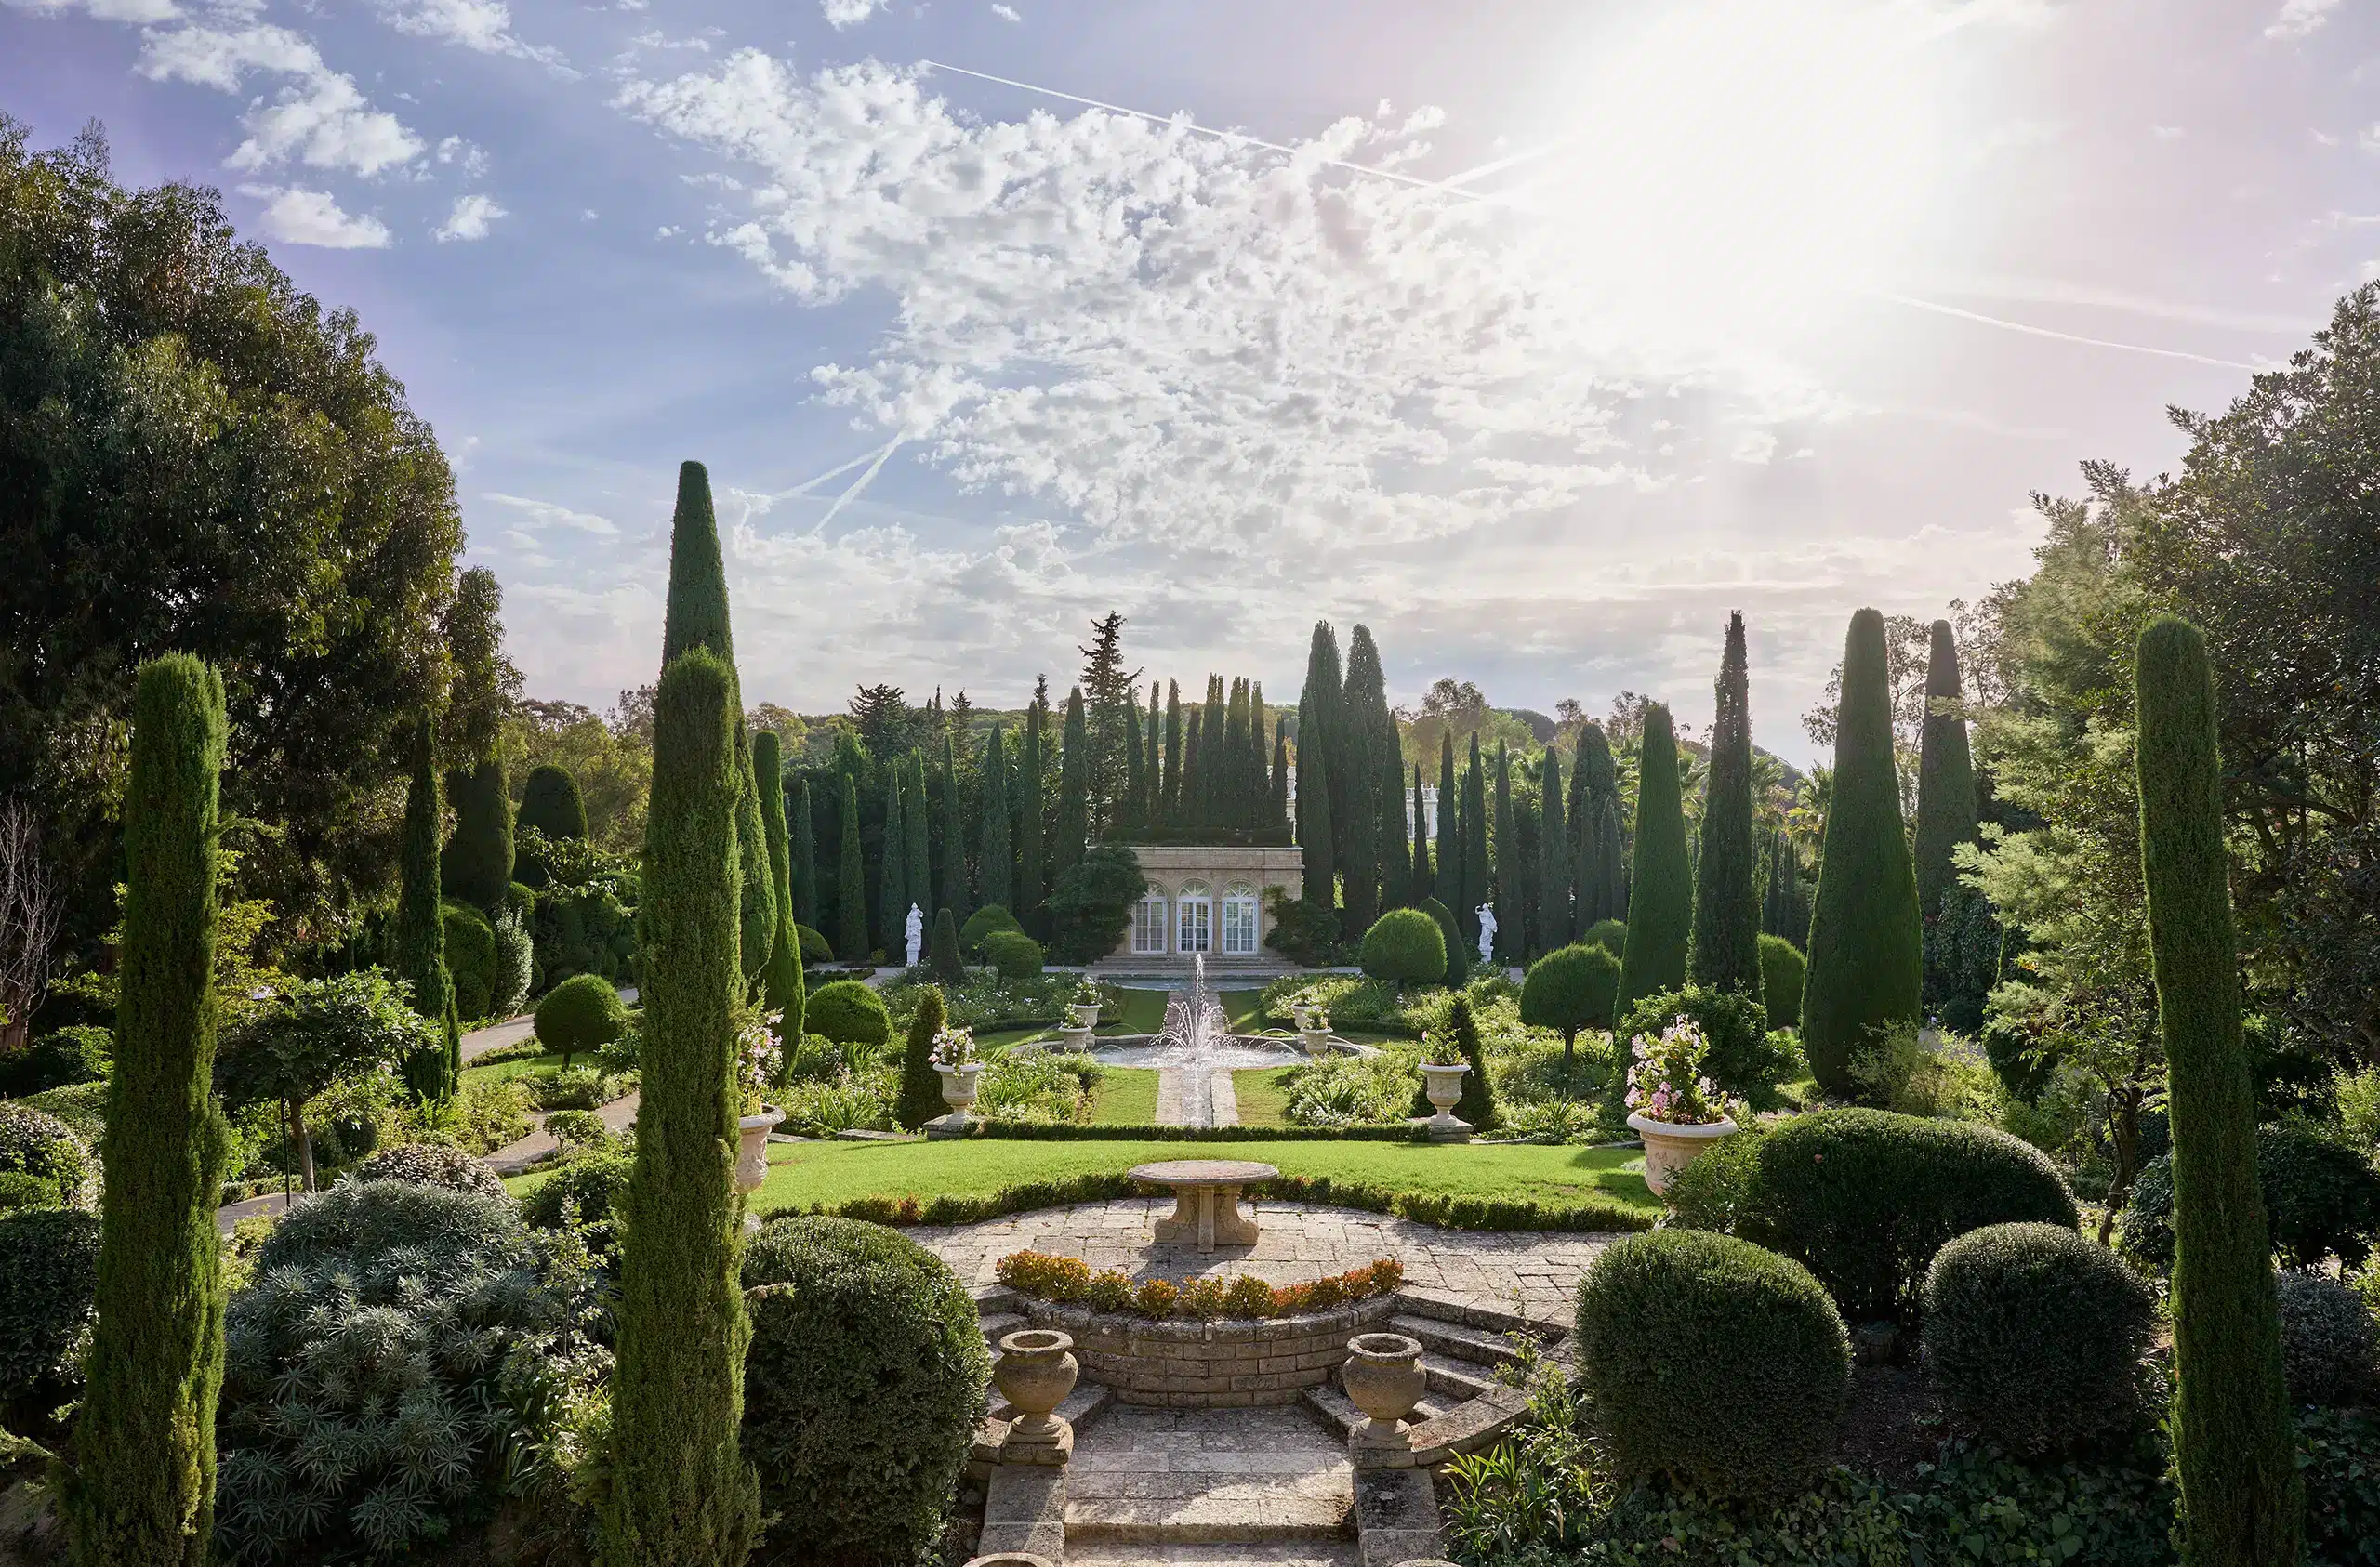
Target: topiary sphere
2327,1339
1014,954
814,947
2034,1336
981,923
583,1012
1781,968
1405,947
1709,1359
848,1012
862,1386
42,1148
425,1164
1611,935
589,1190
1570,989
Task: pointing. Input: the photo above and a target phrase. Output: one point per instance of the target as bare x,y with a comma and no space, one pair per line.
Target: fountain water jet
1194,1022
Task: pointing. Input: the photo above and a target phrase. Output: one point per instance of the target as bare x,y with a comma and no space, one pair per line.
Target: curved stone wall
1181,1364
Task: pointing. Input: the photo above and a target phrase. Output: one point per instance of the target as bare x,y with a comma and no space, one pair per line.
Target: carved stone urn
1444,1085
1036,1372
959,1088
1317,1041
1671,1146
752,1147
1084,1013
1384,1379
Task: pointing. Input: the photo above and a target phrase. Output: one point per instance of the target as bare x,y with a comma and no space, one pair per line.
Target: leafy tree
1863,973
437,1070
1571,988
609,758
780,979
324,1032
1660,912
143,1486
992,864
550,802
1074,793
2232,1446
851,885
681,1495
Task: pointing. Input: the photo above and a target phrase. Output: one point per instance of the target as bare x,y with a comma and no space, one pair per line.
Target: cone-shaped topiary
1946,806
1780,980
680,1493
851,891
992,863
1659,912
550,802
781,979
920,1099
1448,881
1477,1106
141,1491
1032,885
1725,951
1457,958
1555,860
1474,844
941,952
1865,957
421,924
476,864
1318,824
2232,1445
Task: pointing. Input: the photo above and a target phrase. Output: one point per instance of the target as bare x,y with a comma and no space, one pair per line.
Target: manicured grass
1264,1095
1143,1012
546,1065
802,1174
1125,1097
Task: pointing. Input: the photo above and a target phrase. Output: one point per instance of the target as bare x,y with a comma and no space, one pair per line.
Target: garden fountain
1194,1022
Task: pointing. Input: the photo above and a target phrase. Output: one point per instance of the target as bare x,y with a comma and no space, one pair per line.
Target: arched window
1194,919
1240,921
1148,922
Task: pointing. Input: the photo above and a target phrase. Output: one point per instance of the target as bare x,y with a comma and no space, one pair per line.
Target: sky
1536,335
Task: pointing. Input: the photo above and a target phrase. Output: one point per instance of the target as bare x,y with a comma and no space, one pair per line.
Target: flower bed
1069,1281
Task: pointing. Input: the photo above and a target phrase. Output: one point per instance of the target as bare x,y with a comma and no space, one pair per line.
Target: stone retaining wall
1180,1364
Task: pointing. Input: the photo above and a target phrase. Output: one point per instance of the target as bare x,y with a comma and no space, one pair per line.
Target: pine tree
476,865
954,837
1476,866
1725,951
1175,823
2241,1495
1321,882
680,1493
1556,860
1109,692
1449,825
892,880
805,857
1864,954
916,826
781,980
1946,804
850,882
421,926
992,867
1074,787
1423,881
141,1490
1031,887
1660,911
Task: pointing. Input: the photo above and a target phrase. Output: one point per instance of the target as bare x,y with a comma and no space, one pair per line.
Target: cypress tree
1131,820
1318,748
942,948
1234,791
1260,759
921,1099
1173,802
1726,952
1476,864
1510,936
1074,791
805,857
1776,903
1321,884
421,926
1593,781
476,864
141,1490
1366,748
550,802
850,883
1194,796
1422,879
1276,815
917,831
954,837
681,1494
1557,859
1030,886
992,867
1864,954
781,980
892,880
1615,871
1660,912
1946,806
1449,878
1214,761
2242,1498
1153,763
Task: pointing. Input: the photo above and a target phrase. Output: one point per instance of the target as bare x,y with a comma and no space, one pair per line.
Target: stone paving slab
1530,1274
1181,1476
1298,1553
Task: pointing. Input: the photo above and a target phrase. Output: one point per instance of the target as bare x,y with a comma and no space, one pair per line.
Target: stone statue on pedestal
1487,933
916,932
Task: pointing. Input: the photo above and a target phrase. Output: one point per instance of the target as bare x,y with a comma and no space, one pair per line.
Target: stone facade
1225,1365
1207,899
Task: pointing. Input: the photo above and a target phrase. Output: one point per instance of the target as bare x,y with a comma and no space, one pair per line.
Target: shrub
583,1012
1743,1060
1405,947
1458,955
1780,980
1014,954
427,1164
1720,1190
40,1147
582,1087
588,1191
866,1373
51,1262
980,927
76,1054
516,957
2034,1336
1091,902
1300,931
471,959
2320,1200
1570,989
1611,935
848,1012
815,948
1865,1198
2327,1339
1714,1361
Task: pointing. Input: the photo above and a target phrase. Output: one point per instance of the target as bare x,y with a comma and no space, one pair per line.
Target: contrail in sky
862,483
2066,336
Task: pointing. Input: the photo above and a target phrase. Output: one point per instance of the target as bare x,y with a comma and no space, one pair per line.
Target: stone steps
1472,1344
1459,1379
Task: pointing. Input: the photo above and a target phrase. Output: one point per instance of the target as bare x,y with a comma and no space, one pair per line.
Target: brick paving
1531,1274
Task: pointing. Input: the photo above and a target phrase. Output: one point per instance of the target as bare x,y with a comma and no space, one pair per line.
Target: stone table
1206,1199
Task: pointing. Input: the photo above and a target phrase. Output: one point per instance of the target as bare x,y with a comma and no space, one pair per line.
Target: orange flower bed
1070,1281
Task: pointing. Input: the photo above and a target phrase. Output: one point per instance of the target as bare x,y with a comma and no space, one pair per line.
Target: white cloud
546,514
103,11
2167,133
1006,13
470,155
840,14
2297,19
2369,138
470,219
320,119
481,25
300,216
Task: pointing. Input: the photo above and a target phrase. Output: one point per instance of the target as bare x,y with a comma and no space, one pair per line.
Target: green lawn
546,1065
1125,1097
800,1174
1264,1095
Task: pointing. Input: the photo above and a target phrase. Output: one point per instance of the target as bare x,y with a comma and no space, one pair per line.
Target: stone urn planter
1085,1014
1384,1378
752,1147
1036,1372
1316,1041
1301,1014
959,1089
1444,1087
1671,1146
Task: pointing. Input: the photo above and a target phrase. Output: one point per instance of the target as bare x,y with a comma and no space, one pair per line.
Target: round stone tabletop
1204,1172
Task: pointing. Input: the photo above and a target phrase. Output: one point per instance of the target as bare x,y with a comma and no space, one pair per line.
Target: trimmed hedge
1014,954
1781,968
849,1012
863,1380
1068,1131
1714,1361
1405,947
1865,1198
51,1262
2034,1337
2319,1199
815,948
1611,935
982,924
471,959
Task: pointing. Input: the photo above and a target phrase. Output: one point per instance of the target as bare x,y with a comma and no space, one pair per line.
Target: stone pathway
1174,1477
1531,1274
1176,1097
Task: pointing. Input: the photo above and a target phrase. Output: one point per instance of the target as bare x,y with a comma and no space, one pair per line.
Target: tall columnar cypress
892,875
1780,909
550,802
1152,762
1276,813
1614,869
1726,952
805,856
1449,825
1131,815
421,924
1234,780
1557,859
781,980
1173,802
1214,761
1946,805
1194,793
1661,908
141,1491
1423,881
954,837
850,881
2242,1498
476,864
992,864
1260,759
1074,791
1319,749
1864,957
1375,790
916,833
1031,885
1602,852
1476,866
1511,938
1315,835
681,1494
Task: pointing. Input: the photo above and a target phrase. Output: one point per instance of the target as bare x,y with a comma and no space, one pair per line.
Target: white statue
916,932
1487,933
